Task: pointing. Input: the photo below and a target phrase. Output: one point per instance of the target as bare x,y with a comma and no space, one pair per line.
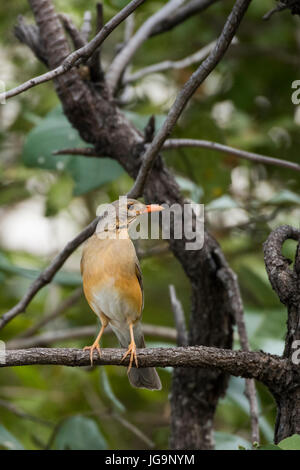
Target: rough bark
286,283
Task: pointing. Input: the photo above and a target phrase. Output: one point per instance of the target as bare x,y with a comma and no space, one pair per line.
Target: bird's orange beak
153,208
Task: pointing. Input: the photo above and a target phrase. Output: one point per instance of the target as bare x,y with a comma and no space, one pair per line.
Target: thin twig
76,36
179,16
122,59
77,56
227,275
60,310
86,27
50,337
280,7
22,414
97,74
129,28
182,336
255,157
47,275
170,64
86,152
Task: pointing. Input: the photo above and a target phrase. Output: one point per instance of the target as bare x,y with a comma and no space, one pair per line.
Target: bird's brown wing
139,276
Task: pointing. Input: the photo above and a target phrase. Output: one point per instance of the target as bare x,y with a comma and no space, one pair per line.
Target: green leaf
63,278
108,391
8,441
290,443
222,203
79,433
55,132
59,195
269,447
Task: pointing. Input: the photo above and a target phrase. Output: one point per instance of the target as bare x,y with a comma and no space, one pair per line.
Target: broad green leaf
79,433
55,132
8,441
290,443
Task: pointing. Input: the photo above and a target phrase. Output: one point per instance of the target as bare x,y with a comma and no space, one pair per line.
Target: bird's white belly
110,301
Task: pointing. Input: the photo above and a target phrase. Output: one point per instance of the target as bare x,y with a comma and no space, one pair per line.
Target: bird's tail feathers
139,378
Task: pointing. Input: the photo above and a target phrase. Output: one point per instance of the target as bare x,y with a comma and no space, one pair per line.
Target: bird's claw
132,351
92,349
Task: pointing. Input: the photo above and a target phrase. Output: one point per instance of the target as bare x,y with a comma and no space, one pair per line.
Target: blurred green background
46,200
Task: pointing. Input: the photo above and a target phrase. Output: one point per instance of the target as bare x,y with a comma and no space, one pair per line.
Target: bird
113,285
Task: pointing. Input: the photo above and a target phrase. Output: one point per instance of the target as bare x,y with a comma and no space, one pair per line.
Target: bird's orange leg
131,350
95,345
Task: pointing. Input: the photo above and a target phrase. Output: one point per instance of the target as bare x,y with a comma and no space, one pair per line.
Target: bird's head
121,213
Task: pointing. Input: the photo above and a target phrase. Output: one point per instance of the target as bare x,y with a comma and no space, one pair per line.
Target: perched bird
113,287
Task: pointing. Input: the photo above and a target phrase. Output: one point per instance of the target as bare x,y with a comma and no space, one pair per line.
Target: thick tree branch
254,157
286,283
282,278
77,56
258,365
29,34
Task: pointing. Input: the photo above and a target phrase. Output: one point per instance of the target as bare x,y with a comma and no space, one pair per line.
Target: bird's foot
132,351
92,348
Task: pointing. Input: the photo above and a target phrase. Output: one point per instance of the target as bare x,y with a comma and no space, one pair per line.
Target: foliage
246,103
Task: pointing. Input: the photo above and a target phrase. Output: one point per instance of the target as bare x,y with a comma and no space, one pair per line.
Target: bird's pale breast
109,276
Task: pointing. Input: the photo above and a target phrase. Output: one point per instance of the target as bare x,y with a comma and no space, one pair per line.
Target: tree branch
255,157
258,365
47,275
182,14
86,27
182,336
293,5
170,64
50,337
223,42
121,61
229,278
77,56
282,278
